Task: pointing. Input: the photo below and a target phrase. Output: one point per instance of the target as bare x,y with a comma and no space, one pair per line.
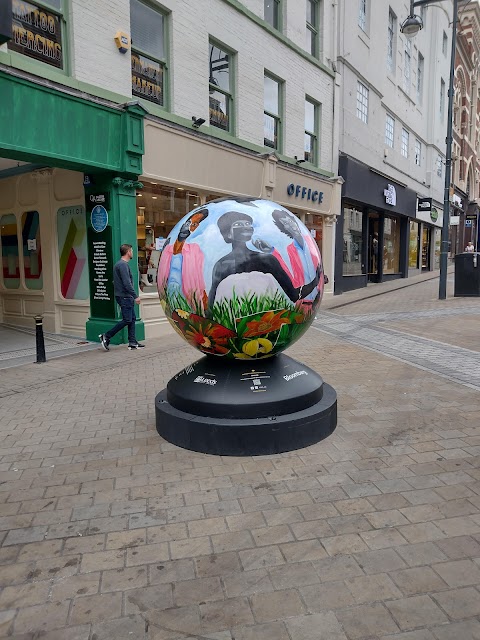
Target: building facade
124,115
464,194
393,120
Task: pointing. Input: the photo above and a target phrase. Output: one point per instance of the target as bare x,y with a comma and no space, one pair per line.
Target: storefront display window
414,242
72,252
352,242
159,208
314,224
32,250
391,245
437,245
10,259
426,248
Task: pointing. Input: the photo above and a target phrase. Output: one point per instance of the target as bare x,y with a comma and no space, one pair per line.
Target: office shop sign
37,33
304,193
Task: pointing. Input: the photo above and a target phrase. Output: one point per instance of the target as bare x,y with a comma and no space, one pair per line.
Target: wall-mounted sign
99,218
102,301
434,214
122,41
424,204
302,192
457,201
390,194
98,198
147,79
37,33
454,221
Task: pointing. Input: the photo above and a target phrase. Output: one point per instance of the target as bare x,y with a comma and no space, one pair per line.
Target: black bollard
39,339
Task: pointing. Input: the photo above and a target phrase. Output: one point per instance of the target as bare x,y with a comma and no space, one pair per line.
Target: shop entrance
426,237
373,260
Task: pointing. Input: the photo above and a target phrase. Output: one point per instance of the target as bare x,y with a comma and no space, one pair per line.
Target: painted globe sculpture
240,278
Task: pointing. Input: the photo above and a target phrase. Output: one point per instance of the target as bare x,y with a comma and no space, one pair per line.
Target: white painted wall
363,56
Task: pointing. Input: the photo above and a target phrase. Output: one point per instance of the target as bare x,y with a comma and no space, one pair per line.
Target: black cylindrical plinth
246,408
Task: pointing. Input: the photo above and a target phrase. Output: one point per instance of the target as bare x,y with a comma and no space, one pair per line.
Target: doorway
373,247
426,242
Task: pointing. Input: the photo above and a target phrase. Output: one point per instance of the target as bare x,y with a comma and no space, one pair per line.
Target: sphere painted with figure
240,278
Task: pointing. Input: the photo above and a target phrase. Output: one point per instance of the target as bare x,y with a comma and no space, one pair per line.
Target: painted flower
256,347
270,321
203,334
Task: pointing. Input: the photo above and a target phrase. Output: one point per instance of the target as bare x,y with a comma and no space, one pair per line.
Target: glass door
426,234
373,246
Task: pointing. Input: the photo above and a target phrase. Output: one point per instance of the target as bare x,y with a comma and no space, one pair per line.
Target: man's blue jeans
127,307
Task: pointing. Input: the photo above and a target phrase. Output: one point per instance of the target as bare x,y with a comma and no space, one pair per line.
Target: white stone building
235,97
392,128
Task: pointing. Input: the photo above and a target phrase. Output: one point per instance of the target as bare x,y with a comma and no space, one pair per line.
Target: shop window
72,252
352,241
314,224
312,27
437,245
38,31
312,117
148,28
159,208
220,88
272,12
32,250
391,245
10,258
413,247
272,113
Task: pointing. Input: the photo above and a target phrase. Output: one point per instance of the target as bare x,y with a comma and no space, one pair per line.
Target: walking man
126,298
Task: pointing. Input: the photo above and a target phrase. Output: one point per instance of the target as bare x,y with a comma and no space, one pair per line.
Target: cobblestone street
109,532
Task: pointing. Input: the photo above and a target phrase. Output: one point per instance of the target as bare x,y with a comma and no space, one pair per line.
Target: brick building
466,120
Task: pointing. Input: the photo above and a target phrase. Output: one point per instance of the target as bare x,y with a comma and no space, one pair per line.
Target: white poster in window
160,243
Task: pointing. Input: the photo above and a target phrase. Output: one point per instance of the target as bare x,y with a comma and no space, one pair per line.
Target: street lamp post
410,27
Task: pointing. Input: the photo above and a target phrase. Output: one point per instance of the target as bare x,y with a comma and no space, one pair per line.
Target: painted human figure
237,229
302,253
181,265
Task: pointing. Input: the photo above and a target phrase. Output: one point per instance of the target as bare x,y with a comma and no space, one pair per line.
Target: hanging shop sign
147,79
298,191
37,33
434,214
424,205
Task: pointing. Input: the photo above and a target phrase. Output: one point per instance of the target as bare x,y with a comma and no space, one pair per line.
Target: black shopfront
372,235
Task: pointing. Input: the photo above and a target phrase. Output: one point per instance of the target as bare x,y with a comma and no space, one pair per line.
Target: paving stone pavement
109,532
